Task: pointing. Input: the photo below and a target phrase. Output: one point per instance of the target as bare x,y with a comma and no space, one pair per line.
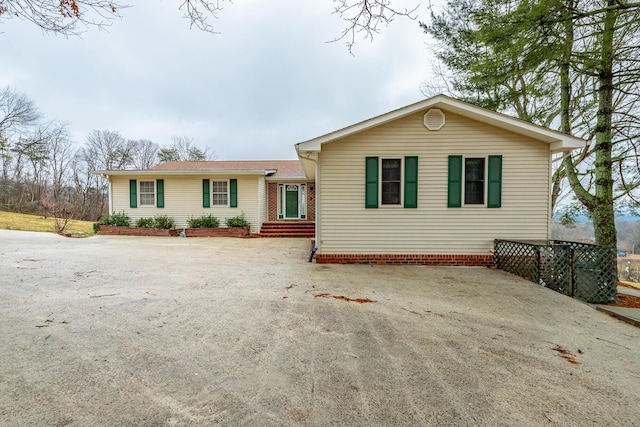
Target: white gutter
151,172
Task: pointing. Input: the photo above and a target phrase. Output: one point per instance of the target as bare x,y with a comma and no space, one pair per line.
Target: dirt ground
627,301
128,331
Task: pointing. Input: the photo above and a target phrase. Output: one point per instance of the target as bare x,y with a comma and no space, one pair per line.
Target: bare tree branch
199,12
17,112
68,17
183,149
65,17
367,17
144,154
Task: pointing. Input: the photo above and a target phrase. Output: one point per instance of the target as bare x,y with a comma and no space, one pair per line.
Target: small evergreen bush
161,222
237,221
145,223
205,221
120,219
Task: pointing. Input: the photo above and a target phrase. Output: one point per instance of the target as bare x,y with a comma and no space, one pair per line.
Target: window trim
408,182
228,193
485,181
492,185
140,194
400,203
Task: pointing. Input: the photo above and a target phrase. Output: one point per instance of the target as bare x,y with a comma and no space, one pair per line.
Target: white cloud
267,81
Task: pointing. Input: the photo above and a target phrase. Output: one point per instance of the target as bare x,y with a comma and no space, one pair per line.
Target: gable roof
280,169
558,141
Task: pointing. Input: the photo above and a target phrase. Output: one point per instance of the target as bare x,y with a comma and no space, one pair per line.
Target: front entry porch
291,228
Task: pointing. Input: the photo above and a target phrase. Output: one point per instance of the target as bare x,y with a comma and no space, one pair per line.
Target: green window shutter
411,182
160,193
494,190
371,182
133,193
206,194
233,193
454,194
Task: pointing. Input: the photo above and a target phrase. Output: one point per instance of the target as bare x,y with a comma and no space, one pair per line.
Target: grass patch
23,222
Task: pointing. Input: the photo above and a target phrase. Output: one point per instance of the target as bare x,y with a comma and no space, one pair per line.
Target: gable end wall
347,228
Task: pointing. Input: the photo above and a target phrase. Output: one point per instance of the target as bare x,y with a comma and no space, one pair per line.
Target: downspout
317,183
315,246
317,192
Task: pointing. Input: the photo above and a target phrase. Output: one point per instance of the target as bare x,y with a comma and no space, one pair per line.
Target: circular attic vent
434,119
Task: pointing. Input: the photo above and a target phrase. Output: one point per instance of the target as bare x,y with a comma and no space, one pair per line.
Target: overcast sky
267,81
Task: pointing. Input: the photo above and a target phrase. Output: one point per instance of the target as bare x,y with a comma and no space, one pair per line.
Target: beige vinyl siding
433,228
183,199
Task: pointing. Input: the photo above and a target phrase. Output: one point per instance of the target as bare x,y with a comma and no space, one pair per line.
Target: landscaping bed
112,230
218,232
625,300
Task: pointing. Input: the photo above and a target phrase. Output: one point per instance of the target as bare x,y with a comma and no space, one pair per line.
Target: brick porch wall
272,201
311,201
391,259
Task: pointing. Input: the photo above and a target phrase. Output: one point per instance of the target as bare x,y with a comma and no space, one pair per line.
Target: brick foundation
392,259
108,230
189,232
218,232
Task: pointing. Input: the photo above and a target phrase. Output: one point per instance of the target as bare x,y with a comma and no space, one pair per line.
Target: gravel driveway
130,331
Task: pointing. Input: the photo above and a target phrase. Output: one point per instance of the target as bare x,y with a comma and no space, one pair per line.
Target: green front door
291,202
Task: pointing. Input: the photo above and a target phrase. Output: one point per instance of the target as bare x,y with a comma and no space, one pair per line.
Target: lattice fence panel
586,272
517,258
555,268
595,274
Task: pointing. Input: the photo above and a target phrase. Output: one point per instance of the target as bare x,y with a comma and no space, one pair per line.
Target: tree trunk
603,216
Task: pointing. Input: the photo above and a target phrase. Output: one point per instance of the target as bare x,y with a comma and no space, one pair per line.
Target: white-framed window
220,193
147,191
391,181
474,180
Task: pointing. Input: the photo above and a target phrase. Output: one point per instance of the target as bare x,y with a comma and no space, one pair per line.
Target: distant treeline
43,171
